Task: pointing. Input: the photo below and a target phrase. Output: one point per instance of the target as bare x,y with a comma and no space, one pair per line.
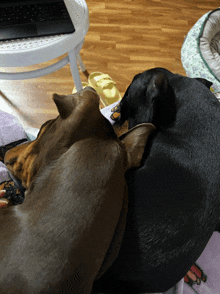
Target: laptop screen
34,18
21,2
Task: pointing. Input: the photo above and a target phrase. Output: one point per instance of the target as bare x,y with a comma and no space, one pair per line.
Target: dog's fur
70,226
174,198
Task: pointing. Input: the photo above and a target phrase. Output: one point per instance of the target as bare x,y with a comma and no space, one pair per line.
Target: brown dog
70,225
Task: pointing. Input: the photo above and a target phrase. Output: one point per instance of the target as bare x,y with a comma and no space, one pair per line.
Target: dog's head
79,118
56,135
150,98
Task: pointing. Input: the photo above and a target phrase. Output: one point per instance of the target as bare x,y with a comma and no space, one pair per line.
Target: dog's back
70,226
174,202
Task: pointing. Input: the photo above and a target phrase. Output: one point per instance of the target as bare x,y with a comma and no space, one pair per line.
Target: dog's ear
162,101
64,105
157,87
204,82
134,141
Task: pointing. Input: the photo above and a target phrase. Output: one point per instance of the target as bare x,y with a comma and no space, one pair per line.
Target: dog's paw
11,193
116,112
116,108
195,275
115,115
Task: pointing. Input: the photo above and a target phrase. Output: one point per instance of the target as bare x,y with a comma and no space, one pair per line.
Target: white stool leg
74,69
82,66
80,63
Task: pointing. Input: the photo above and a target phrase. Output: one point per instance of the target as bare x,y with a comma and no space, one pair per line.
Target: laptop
33,18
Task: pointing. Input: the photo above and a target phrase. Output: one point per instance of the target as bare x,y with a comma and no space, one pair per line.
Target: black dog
174,198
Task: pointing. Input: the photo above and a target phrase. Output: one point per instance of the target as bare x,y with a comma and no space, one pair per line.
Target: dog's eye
12,160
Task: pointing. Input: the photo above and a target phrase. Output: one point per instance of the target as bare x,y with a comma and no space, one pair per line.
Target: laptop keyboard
27,14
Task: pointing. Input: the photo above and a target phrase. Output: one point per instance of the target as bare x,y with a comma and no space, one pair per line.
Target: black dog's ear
204,82
162,100
157,87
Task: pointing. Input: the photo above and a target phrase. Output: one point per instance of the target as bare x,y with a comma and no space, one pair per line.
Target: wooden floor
125,37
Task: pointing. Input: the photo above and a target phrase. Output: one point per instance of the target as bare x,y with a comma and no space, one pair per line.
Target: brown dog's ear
64,105
134,141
